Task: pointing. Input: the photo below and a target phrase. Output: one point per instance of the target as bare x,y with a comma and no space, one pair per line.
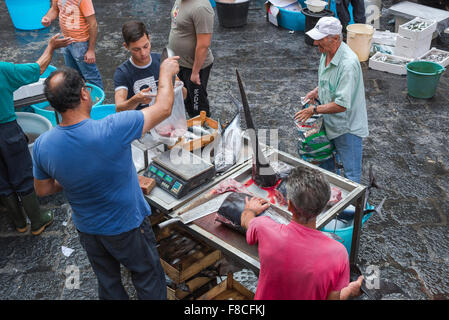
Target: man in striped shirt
77,21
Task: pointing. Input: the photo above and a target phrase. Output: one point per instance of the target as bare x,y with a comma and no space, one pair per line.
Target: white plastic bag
175,126
228,147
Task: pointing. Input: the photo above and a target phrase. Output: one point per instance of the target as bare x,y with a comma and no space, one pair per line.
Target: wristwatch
314,109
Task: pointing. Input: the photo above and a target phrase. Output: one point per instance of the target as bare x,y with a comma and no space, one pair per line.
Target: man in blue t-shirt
16,173
91,161
136,79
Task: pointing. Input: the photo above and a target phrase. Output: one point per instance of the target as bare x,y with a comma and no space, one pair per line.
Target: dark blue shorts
136,250
16,166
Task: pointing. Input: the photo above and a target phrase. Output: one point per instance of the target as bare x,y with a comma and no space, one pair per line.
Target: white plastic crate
416,34
423,44
30,90
408,52
434,51
384,37
386,66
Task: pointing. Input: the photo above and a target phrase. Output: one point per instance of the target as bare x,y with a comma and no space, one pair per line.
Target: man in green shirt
342,96
16,168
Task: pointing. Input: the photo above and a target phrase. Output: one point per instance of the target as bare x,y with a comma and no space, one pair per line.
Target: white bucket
359,39
33,125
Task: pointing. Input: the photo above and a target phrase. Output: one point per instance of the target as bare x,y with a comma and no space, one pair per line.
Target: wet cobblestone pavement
407,146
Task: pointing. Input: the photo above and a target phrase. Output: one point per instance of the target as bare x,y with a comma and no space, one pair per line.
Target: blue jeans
136,250
349,152
74,58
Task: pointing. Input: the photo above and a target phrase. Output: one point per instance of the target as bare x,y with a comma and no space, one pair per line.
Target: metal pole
358,216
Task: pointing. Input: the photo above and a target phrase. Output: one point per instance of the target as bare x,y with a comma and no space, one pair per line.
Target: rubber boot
15,212
40,219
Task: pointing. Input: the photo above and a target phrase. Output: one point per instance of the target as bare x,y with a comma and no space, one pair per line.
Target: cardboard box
388,67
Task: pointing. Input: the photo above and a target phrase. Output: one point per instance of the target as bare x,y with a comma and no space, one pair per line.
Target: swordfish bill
263,174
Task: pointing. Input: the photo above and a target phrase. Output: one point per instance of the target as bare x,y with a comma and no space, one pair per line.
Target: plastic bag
175,126
313,144
228,147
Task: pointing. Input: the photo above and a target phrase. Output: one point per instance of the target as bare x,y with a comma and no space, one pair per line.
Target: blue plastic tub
101,111
27,14
291,20
296,21
346,233
97,98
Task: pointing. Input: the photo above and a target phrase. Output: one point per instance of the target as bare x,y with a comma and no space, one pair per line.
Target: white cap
326,26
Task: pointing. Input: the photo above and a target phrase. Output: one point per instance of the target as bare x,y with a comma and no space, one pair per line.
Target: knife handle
165,224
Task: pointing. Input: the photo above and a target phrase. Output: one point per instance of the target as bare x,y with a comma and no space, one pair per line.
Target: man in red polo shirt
298,262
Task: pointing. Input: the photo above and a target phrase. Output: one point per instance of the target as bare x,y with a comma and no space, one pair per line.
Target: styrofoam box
384,37
409,43
30,90
407,52
444,63
388,67
417,35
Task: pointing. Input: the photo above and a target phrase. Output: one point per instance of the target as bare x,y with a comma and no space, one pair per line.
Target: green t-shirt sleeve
203,18
345,86
18,75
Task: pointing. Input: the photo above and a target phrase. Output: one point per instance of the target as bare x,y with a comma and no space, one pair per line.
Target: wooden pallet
204,140
183,256
229,289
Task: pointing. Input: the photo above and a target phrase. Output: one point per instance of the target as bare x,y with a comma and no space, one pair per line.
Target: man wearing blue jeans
91,161
342,92
77,21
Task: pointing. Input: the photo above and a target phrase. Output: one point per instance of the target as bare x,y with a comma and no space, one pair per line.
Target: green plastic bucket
422,78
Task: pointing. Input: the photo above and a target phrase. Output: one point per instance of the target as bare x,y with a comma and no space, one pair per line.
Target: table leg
358,216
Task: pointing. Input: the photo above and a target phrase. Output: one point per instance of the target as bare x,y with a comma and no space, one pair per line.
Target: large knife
263,173
198,212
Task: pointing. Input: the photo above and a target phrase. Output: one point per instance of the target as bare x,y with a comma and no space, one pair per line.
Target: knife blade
197,212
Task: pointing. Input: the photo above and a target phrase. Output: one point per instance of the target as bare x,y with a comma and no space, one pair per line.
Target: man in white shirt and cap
342,95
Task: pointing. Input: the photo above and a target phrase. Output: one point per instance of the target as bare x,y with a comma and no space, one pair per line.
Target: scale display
179,178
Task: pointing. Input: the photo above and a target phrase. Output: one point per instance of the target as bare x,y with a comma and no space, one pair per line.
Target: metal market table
233,244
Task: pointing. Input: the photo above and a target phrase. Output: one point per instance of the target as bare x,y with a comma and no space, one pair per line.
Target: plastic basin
33,125
101,111
291,20
232,15
40,108
359,39
27,14
346,233
423,78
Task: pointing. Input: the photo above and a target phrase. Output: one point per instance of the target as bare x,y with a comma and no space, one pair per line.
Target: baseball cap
326,26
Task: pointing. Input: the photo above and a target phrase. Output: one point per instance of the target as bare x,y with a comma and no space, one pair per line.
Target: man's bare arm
54,43
203,41
165,95
89,57
51,15
46,187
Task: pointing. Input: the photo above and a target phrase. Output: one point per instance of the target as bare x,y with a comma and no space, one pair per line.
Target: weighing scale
179,171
